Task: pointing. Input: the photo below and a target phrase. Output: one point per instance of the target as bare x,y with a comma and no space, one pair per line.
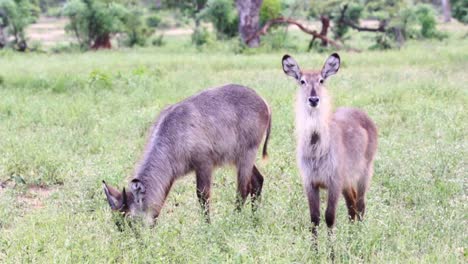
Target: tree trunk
447,10
3,39
158,4
249,11
200,4
325,25
102,42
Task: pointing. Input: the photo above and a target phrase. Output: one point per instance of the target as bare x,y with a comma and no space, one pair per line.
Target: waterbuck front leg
204,175
313,196
330,213
256,187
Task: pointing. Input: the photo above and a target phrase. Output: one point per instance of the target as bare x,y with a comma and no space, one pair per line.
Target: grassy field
69,121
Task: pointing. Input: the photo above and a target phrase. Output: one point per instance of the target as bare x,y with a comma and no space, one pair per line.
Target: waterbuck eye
302,82
321,81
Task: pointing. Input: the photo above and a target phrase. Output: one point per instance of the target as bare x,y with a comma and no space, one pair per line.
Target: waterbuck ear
138,190
291,68
331,66
124,198
114,197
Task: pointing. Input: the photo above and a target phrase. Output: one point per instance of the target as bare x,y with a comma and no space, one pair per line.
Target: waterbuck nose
314,101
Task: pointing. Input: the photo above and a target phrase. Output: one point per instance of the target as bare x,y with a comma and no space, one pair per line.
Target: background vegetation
71,119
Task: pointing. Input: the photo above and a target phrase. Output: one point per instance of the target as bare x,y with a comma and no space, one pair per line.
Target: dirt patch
35,196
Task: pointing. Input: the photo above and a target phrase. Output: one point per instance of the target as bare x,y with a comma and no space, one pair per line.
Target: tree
15,16
3,25
249,11
93,21
397,21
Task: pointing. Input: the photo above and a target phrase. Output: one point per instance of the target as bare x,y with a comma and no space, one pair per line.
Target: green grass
69,121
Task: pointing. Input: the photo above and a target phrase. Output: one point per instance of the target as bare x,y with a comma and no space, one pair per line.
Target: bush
201,36
460,10
270,9
137,33
223,15
54,11
65,48
427,19
353,13
158,41
153,21
277,40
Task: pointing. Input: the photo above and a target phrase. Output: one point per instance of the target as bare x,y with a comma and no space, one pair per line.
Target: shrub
353,13
137,33
201,36
427,19
460,10
153,21
277,40
270,9
223,15
158,41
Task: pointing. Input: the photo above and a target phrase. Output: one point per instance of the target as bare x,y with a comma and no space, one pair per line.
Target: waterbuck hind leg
204,176
363,186
350,197
361,205
244,177
256,187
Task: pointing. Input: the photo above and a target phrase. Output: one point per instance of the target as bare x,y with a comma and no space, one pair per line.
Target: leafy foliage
460,10
223,15
16,15
136,30
201,36
91,20
153,21
426,18
270,9
397,20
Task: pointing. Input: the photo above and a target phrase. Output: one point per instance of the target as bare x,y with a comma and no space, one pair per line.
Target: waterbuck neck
313,124
156,173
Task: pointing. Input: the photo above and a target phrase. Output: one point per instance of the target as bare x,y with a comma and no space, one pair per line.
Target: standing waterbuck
223,125
334,150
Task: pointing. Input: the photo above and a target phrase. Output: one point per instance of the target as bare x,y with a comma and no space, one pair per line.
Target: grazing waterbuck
218,126
335,151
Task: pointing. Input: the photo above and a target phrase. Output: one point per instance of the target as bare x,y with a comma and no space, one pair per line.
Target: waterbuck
334,150
218,126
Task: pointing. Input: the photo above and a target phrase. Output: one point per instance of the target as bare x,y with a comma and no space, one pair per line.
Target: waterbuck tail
267,136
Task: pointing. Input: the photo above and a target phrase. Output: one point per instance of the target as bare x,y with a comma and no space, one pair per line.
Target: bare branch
282,20
347,22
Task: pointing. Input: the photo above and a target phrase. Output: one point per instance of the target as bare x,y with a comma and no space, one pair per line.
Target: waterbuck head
127,203
312,82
